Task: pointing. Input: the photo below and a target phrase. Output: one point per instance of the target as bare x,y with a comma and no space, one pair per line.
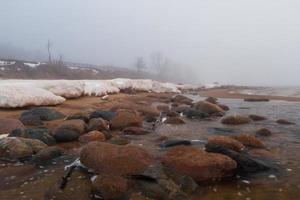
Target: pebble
280,189
215,189
239,194
289,170
272,176
246,181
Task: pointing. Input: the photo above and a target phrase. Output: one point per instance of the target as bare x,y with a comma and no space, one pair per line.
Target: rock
209,108
285,122
41,134
174,120
119,141
92,136
135,131
181,108
172,114
245,162
221,131
125,118
64,135
29,119
7,125
152,190
82,116
235,120
77,125
257,117
107,115
182,100
249,141
150,119
224,107
226,142
110,186
108,158
198,164
163,108
263,132
146,111
195,114
98,124
18,148
211,100
45,114
47,154
256,99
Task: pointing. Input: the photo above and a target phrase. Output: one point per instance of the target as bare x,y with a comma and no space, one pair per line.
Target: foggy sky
250,42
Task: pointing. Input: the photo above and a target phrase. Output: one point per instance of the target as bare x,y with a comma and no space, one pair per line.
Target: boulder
263,132
36,145
163,108
77,125
110,186
146,111
256,99
47,154
65,135
209,108
41,134
135,131
257,117
7,125
182,100
211,100
284,121
235,120
224,107
226,142
45,114
174,120
98,124
29,119
172,114
92,136
181,108
198,164
249,141
195,114
82,116
108,158
125,118
107,115
119,141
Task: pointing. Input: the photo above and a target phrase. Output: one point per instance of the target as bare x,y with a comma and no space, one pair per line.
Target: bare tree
61,59
157,60
49,45
139,64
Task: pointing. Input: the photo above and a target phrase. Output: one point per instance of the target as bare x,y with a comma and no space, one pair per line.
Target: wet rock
209,108
17,148
41,134
152,190
256,99
81,116
211,100
135,131
146,111
110,186
150,119
115,159
235,120
263,132
47,154
174,142
198,164
125,118
174,120
224,107
30,119
172,114
92,136
182,100
221,131
7,125
245,162
249,141
77,125
98,124
106,115
257,117
226,142
181,108
195,114
45,114
65,135
119,141
163,108
285,122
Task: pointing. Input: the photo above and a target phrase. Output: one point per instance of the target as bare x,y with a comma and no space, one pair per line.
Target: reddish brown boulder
257,117
249,140
172,114
181,108
236,120
226,142
263,132
98,124
77,125
174,120
224,107
135,131
284,121
108,158
146,111
7,125
125,118
182,100
198,164
208,108
163,108
211,100
92,136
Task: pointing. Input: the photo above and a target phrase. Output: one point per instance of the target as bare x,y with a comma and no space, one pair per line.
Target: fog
249,42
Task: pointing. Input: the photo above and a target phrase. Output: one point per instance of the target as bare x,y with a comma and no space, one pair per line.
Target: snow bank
5,63
33,65
19,93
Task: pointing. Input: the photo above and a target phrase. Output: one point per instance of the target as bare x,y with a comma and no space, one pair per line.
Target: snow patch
5,63
33,65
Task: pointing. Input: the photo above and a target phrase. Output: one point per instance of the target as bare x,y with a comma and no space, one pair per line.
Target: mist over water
232,42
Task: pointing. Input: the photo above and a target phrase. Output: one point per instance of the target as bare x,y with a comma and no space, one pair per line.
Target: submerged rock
284,121
174,120
236,120
41,134
209,108
263,132
257,117
181,108
98,124
256,99
226,142
92,136
195,114
125,118
7,125
108,158
135,131
198,164
107,115
249,141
